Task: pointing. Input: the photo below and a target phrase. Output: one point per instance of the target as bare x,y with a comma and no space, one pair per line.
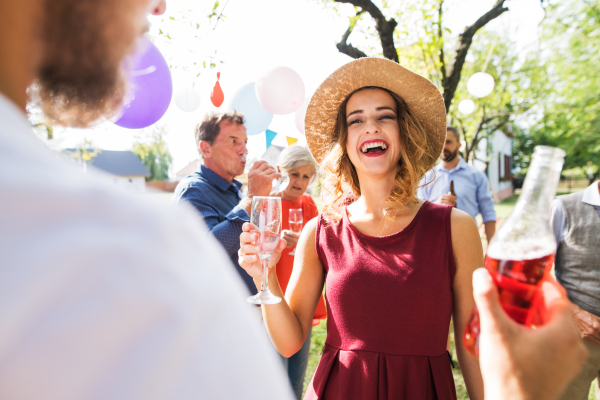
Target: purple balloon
151,88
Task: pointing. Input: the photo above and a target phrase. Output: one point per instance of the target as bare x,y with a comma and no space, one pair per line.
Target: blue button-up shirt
217,200
473,194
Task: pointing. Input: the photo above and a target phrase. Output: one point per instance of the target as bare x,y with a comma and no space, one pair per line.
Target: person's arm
468,256
485,202
289,321
490,230
520,363
226,231
260,181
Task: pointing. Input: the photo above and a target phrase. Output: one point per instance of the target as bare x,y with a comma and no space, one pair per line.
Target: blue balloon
245,102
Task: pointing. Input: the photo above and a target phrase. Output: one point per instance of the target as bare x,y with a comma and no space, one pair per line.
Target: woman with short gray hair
300,167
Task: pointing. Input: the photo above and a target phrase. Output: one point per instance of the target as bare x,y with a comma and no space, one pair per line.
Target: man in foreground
213,190
104,295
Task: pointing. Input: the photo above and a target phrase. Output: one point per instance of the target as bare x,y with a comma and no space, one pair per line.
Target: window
507,168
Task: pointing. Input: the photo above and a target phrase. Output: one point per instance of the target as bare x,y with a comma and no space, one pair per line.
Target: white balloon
300,114
466,106
480,84
280,91
187,100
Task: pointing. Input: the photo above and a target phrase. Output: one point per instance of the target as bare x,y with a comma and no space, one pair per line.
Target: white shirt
105,295
558,215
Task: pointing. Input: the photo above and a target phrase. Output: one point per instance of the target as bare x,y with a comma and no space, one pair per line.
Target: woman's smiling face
373,143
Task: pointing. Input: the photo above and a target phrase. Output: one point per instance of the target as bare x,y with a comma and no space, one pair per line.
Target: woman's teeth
372,145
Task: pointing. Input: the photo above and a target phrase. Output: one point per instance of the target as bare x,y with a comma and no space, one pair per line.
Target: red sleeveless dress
389,302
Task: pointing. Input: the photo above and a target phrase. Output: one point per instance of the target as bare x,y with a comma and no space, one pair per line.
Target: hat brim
423,98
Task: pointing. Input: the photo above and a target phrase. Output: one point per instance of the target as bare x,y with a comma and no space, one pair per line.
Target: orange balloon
216,96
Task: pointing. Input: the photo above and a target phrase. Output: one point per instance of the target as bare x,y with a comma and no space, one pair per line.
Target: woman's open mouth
374,148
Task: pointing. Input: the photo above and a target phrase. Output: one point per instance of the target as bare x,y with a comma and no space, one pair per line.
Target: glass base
264,297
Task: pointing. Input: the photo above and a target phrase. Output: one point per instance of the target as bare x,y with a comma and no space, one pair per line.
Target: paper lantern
280,91
466,106
257,119
480,84
187,100
151,88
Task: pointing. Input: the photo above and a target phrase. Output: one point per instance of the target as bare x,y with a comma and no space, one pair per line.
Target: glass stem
265,272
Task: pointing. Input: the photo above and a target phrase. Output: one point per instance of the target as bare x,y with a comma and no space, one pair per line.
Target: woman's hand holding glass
249,249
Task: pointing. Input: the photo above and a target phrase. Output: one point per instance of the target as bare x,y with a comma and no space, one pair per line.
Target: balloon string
489,54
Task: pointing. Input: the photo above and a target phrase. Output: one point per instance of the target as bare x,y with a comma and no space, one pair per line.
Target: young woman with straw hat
395,268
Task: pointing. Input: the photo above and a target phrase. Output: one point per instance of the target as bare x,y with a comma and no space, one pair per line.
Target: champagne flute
266,218
295,223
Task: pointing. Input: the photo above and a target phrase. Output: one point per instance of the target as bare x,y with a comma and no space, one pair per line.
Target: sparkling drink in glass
520,256
295,222
266,220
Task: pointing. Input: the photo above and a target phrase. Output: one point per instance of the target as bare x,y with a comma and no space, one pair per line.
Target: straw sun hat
424,101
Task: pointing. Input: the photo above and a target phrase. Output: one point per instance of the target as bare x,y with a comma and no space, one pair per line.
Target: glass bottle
452,192
521,254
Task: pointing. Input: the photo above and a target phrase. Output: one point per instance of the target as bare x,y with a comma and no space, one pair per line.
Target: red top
389,301
286,263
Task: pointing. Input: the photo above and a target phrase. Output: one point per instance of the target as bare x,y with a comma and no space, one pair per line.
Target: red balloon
216,96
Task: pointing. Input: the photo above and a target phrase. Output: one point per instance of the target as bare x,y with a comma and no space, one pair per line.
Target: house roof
188,169
120,163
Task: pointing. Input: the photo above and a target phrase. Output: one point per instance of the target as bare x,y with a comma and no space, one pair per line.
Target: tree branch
441,38
462,48
385,28
346,48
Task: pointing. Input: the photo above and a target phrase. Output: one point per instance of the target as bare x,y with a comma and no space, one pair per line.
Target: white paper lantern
187,100
466,106
480,84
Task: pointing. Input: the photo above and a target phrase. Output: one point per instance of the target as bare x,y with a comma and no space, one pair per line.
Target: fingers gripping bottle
521,254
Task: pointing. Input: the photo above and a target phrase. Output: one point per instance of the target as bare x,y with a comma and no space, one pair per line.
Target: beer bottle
452,190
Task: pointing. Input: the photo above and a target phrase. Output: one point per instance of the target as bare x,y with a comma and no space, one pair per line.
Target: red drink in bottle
521,254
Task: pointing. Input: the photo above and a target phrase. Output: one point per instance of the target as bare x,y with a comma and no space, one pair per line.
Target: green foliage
519,83
425,45
153,152
570,116
85,152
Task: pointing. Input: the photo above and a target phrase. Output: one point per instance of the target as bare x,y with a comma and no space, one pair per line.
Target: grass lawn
319,333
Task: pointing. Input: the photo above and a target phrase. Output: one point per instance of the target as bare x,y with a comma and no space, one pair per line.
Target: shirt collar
591,195
461,164
214,178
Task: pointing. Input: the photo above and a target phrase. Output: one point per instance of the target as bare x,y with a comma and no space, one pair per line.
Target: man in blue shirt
473,194
213,190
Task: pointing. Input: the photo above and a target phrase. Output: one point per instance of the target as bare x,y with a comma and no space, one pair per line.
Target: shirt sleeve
485,199
227,231
424,189
558,220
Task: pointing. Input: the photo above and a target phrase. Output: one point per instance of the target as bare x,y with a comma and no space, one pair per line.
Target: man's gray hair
455,131
295,156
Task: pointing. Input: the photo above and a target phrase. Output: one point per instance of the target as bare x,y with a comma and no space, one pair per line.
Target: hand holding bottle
520,363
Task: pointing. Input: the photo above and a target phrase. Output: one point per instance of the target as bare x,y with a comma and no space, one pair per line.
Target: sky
255,37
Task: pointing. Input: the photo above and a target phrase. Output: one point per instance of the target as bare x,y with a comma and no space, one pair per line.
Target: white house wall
494,147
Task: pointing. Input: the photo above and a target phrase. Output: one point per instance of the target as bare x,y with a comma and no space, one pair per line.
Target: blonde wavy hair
340,184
